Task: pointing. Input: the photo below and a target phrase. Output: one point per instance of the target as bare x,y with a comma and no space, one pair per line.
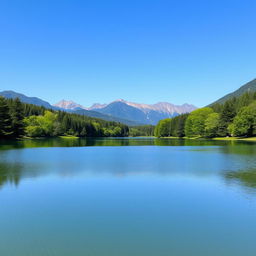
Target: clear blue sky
142,51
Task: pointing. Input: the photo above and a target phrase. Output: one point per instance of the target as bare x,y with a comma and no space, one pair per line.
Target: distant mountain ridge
30,100
126,112
164,107
40,102
136,112
248,87
68,104
144,113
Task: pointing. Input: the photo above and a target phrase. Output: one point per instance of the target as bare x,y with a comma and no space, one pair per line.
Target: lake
127,197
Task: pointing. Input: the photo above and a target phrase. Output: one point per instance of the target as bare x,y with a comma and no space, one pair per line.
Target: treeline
236,117
19,119
143,130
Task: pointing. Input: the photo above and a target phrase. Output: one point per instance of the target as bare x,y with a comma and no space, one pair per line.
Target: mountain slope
106,117
122,110
26,99
248,87
68,104
65,107
143,113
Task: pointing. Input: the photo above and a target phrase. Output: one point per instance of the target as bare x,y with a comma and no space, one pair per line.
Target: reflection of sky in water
199,161
123,201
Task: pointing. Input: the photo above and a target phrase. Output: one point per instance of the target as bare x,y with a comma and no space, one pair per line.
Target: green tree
34,131
37,126
117,131
195,123
178,125
163,128
48,122
227,115
32,127
83,133
5,119
211,125
17,116
245,122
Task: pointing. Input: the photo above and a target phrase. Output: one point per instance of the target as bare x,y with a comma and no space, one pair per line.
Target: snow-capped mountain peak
68,104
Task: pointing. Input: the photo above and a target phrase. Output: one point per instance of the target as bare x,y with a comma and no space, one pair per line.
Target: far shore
170,137
216,138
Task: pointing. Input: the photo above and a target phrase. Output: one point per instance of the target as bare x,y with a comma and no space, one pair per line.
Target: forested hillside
249,87
20,119
235,117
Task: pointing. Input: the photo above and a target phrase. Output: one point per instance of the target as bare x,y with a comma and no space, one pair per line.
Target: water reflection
245,179
235,162
89,142
10,173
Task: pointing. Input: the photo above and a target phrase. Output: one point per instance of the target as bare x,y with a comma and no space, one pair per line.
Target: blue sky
141,51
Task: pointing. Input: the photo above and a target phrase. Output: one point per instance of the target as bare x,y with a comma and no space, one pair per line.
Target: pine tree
17,116
226,117
5,120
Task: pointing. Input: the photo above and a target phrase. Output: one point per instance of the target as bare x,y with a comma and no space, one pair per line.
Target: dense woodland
143,130
236,117
19,119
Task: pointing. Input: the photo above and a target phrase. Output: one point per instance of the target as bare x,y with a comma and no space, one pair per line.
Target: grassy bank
217,138
236,138
68,137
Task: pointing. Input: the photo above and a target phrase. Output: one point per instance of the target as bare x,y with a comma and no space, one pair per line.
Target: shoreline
216,138
253,139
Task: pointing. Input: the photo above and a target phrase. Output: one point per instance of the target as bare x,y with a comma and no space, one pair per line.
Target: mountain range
126,112
119,111
138,113
78,110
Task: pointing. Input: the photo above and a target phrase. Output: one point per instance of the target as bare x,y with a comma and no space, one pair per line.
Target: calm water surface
127,197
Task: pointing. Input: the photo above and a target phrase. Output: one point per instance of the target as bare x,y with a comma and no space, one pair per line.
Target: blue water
144,198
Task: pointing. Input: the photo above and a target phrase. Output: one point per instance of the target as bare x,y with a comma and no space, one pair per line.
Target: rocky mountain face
135,112
143,113
69,105
97,106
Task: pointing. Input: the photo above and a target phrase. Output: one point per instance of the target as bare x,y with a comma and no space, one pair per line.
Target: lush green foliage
195,123
11,118
245,122
163,128
171,127
211,125
144,130
236,117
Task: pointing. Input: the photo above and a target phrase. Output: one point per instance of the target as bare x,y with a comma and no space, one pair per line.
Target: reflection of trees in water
10,173
87,142
243,149
13,170
246,179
